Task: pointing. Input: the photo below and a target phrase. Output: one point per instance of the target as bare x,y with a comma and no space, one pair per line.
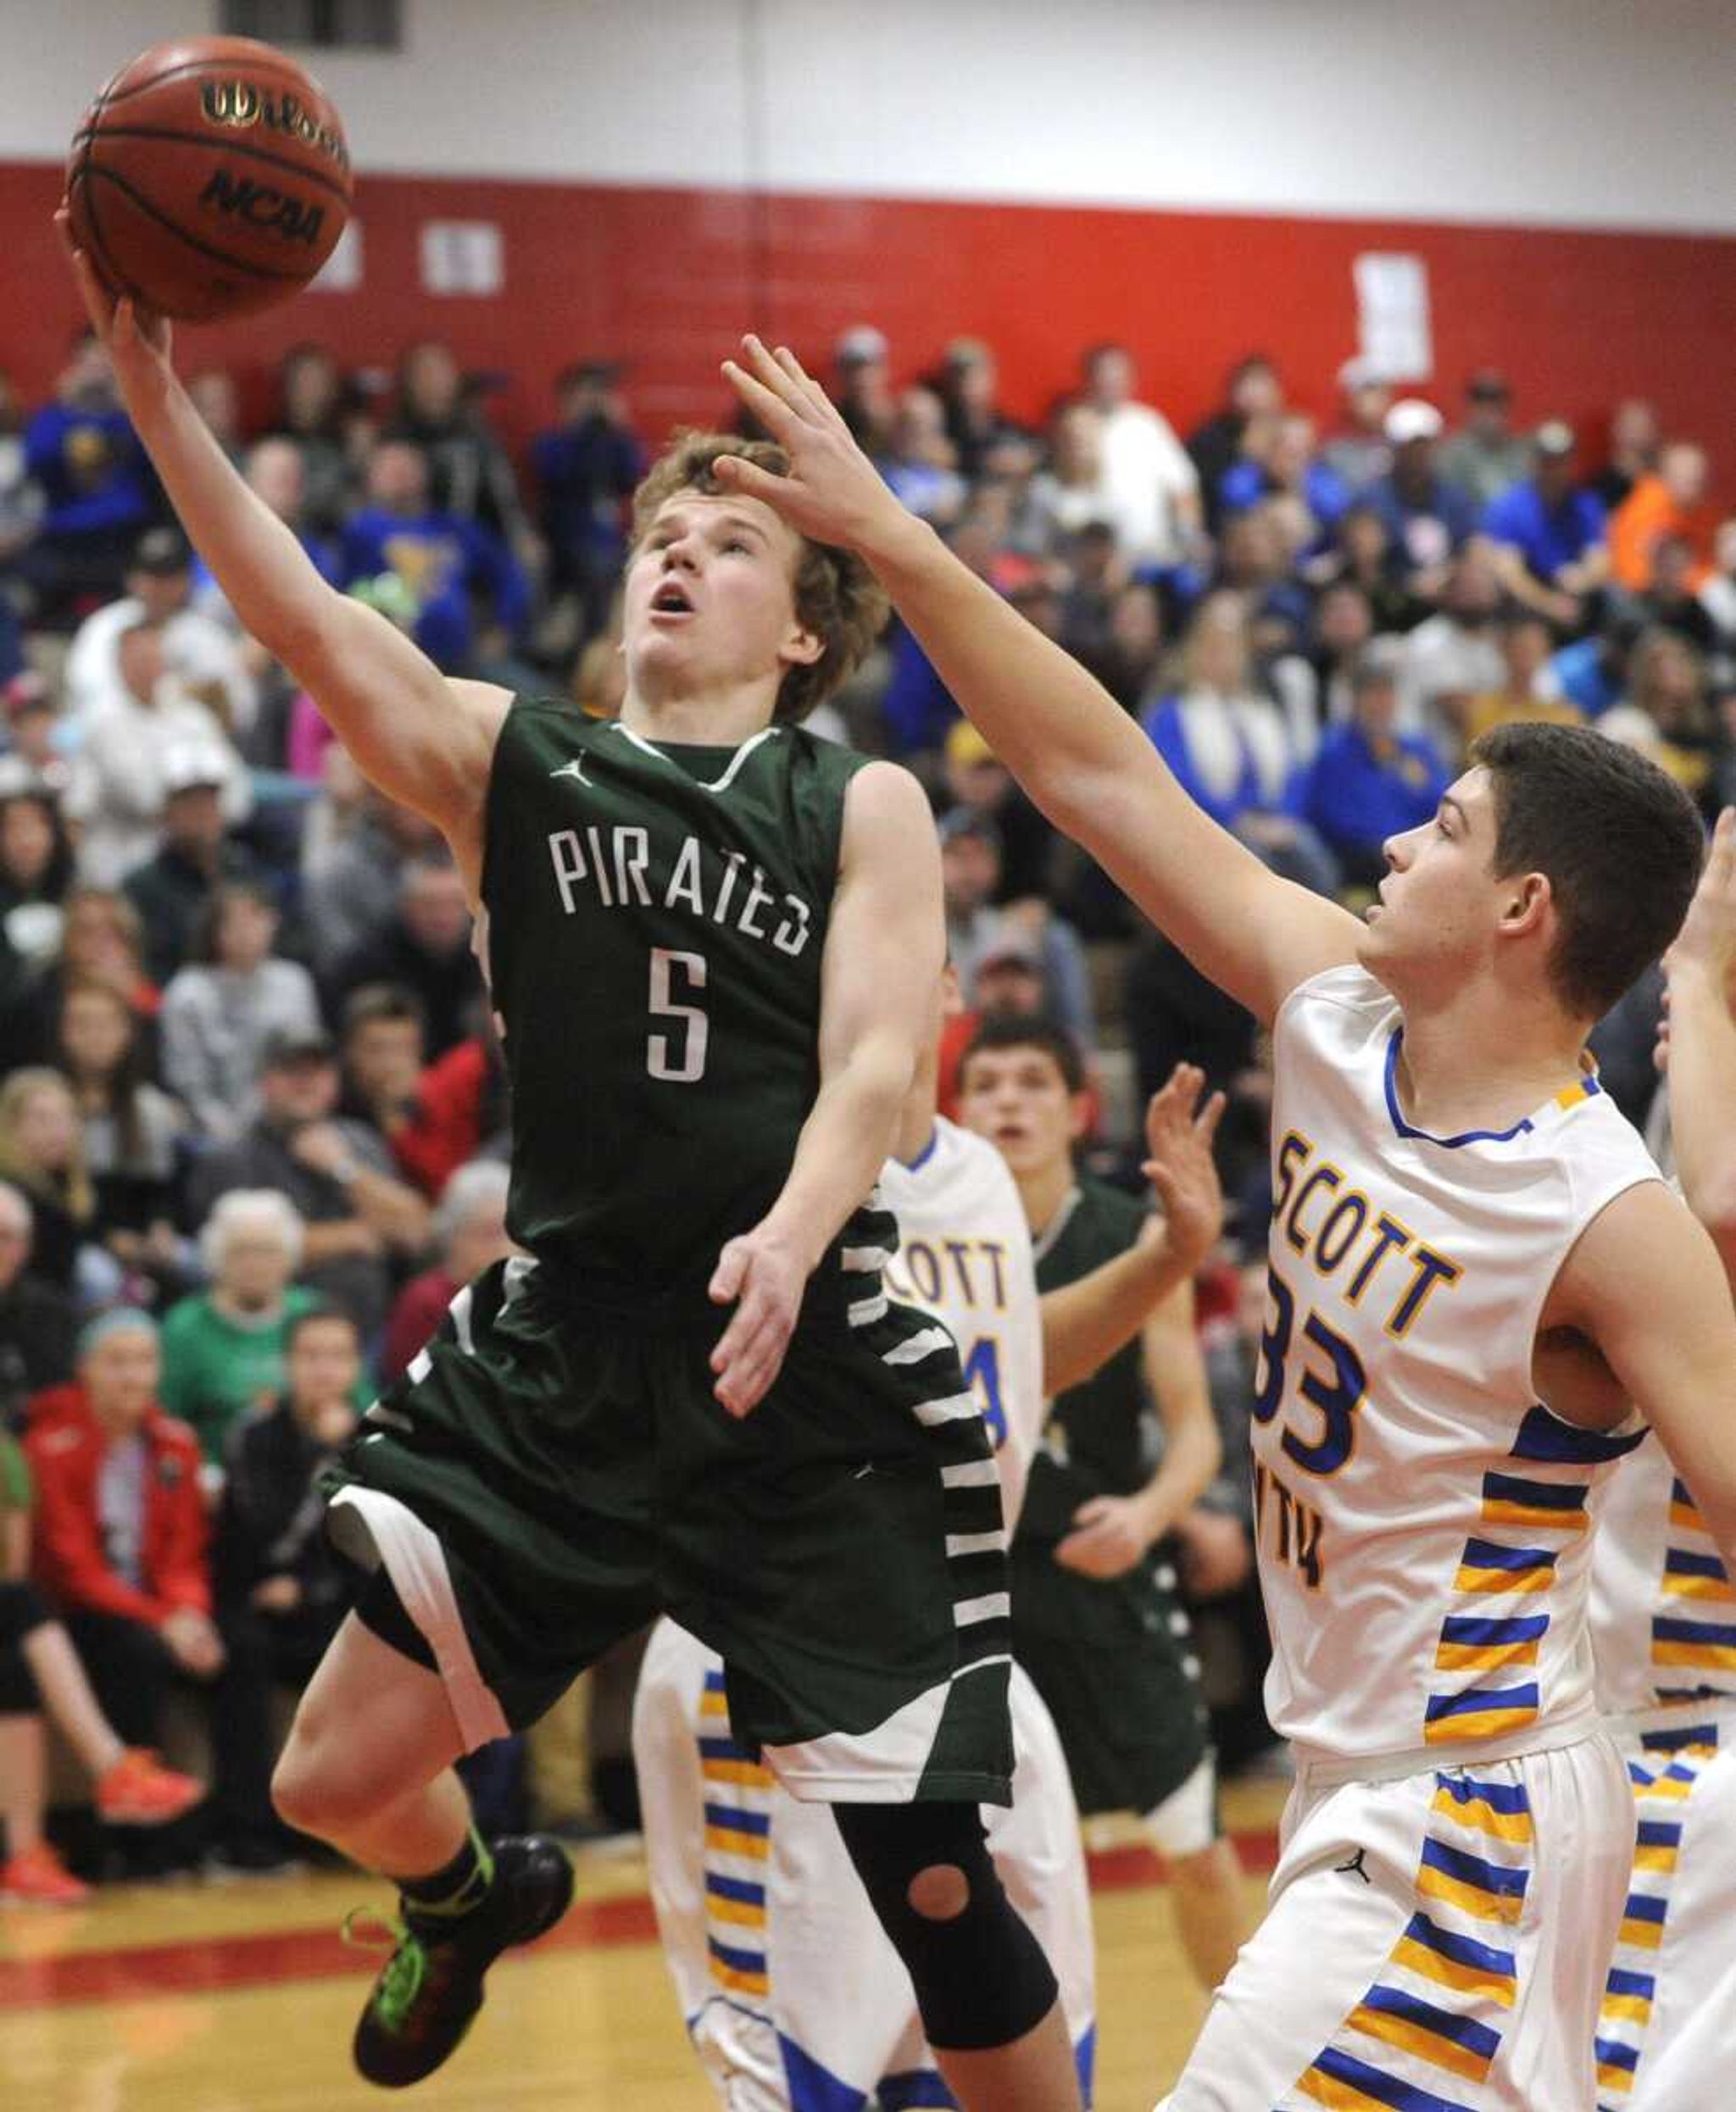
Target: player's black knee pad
981,1978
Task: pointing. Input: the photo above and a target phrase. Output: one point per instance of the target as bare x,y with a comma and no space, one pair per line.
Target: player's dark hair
1027,1030
1621,844
837,596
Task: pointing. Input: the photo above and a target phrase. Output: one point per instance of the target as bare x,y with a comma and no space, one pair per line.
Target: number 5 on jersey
678,1056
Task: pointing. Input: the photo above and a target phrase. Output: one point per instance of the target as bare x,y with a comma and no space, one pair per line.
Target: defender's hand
833,494
763,1280
1706,943
1110,1534
1179,1132
138,340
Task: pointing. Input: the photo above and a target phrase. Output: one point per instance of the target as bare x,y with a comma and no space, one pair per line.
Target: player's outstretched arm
422,740
1085,1322
885,945
1111,1533
1645,1286
1064,737
1702,970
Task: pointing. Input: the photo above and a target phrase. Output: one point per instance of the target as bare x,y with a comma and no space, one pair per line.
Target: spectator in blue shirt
917,710
82,454
444,563
275,469
1358,454
1257,559
921,462
585,469
1232,748
1368,782
1591,672
1427,518
1550,533
1279,457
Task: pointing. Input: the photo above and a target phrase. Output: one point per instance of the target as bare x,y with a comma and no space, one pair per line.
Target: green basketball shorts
1112,1659
548,1477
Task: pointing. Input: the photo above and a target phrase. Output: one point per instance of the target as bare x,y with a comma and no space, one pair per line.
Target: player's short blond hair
837,596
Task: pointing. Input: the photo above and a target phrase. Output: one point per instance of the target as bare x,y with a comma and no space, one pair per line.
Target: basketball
210,178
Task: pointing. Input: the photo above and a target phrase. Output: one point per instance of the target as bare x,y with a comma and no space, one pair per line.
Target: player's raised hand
832,492
763,1280
1179,1132
137,340
1707,940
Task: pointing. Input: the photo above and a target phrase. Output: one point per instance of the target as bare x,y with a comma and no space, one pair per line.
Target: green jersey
1090,1440
656,919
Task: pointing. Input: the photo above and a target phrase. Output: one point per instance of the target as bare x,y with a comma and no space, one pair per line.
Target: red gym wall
665,279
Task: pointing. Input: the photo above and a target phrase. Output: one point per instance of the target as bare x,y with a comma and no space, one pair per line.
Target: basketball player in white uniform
793,1998
1663,1624
1475,1267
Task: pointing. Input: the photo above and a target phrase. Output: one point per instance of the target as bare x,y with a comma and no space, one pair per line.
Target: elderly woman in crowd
223,1347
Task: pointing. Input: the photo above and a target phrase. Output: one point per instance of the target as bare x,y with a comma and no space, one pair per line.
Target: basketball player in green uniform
713,942
1096,1623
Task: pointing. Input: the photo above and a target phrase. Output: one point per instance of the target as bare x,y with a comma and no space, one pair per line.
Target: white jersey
964,1256
1663,1627
1663,1610
1422,1521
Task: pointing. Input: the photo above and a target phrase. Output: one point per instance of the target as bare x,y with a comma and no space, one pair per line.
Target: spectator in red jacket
120,1540
471,1226
459,1108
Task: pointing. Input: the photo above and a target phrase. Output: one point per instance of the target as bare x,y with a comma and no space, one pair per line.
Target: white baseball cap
1411,419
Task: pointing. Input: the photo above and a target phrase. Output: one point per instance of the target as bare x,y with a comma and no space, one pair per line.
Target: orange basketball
210,178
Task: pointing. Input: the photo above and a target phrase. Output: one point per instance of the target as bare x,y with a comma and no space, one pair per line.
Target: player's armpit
1644,1284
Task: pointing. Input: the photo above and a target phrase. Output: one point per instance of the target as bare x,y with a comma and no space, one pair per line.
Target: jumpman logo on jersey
575,769
1355,1865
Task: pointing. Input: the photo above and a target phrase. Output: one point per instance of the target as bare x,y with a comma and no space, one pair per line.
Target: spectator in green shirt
223,1349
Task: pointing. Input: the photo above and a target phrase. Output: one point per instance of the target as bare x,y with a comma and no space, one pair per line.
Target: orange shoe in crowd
139,1791
39,1876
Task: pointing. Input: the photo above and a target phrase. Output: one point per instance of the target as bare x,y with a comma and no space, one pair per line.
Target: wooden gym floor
196,1998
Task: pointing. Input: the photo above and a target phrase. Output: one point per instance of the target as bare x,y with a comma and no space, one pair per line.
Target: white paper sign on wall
342,271
1392,314
463,257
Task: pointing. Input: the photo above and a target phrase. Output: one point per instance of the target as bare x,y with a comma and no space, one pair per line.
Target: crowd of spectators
253,1114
